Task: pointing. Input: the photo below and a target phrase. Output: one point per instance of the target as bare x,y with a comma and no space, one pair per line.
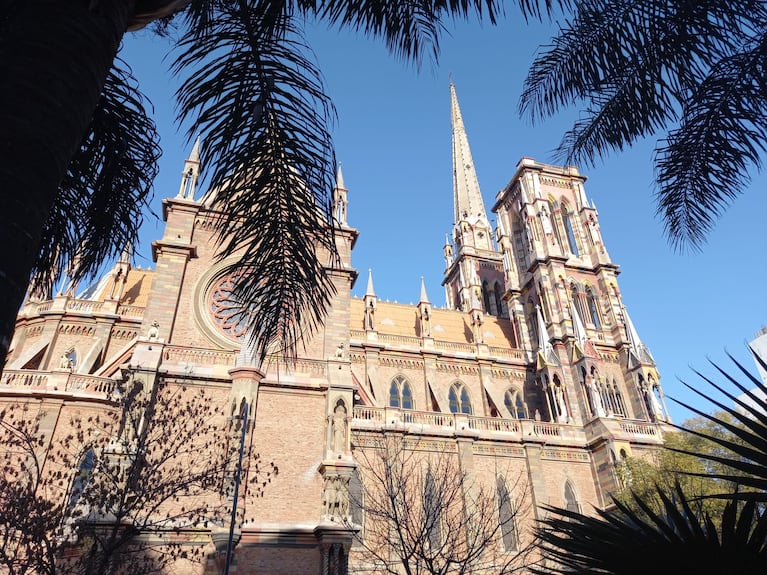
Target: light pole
237,475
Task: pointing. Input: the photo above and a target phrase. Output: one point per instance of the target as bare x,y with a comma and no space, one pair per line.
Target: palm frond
412,30
107,187
703,165
676,539
257,100
745,452
638,68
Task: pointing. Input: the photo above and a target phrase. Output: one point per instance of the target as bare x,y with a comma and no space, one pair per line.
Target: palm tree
692,73
78,149
678,536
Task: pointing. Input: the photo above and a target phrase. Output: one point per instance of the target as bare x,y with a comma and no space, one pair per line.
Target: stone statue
559,399
154,331
596,397
329,496
425,322
546,222
339,428
370,311
657,410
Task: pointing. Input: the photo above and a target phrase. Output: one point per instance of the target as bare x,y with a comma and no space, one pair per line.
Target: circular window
226,312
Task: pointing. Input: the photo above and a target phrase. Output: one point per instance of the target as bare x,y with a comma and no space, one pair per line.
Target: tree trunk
54,59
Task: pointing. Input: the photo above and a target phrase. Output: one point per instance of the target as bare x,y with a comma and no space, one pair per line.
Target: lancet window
459,399
400,393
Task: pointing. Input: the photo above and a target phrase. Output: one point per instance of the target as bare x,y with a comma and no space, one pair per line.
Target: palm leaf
703,165
107,187
637,68
677,539
746,452
257,99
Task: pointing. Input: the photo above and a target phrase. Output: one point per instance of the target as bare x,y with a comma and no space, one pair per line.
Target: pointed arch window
571,500
514,402
593,308
555,210
489,299
459,399
578,302
400,393
569,230
506,516
357,506
503,308
432,510
82,479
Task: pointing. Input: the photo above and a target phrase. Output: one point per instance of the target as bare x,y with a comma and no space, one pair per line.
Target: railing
130,311
364,415
639,429
547,429
506,352
190,355
84,305
455,347
494,424
400,340
57,381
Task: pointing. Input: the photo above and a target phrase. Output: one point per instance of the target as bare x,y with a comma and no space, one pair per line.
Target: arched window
506,516
394,399
593,309
357,505
577,302
620,406
503,308
81,479
459,399
571,500
567,220
554,210
515,403
400,393
432,507
407,396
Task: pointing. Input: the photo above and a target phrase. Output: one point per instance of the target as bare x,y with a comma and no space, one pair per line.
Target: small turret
190,174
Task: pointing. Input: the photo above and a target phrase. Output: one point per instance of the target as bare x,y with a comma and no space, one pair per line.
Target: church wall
562,465
290,431
276,557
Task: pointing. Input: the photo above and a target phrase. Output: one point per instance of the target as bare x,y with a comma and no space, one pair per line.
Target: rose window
227,313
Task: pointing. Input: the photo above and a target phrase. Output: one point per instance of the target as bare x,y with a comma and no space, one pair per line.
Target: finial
194,156
424,297
340,178
370,290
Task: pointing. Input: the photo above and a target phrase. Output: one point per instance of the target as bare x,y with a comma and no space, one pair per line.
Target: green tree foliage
693,74
670,530
680,463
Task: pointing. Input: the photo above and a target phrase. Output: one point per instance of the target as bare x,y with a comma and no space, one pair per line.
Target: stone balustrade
56,382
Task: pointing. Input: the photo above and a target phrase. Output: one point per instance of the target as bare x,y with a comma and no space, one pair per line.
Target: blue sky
393,140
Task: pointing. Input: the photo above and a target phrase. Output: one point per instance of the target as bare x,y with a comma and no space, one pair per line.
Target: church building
532,367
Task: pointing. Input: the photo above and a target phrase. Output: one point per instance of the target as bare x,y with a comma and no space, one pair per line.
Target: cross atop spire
467,197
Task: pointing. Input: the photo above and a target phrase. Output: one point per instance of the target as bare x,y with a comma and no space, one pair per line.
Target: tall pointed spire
370,290
639,348
340,202
191,173
424,296
467,197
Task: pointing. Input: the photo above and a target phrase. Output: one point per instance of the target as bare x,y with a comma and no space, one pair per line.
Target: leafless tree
132,487
420,512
